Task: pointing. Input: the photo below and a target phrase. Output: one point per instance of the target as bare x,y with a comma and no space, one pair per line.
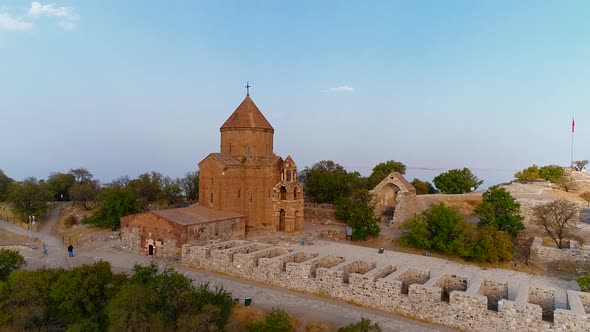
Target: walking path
303,306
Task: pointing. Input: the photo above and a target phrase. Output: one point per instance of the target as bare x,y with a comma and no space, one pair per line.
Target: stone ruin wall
470,304
405,208
544,254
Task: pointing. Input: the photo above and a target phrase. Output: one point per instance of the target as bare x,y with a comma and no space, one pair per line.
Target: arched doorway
282,220
150,250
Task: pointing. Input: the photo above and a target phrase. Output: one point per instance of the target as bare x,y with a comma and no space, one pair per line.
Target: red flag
573,124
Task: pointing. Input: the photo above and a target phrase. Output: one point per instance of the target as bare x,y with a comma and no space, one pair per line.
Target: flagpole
572,150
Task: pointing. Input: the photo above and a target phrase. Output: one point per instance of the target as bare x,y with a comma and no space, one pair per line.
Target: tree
552,173
190,185
148,187
580,164
85,192
457,181
493,245
423,187
10,260
433,229
584,283
500,210
28,198
276,321
326,181
5,182
558,219
528,174
586,196
566,182
359,213
25,303
59,185
81,174
380,171
364,325
83,292
114,204
171,191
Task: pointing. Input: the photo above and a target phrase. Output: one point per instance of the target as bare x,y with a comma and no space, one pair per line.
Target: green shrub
10,260
552,173
363,325
528,174
584,283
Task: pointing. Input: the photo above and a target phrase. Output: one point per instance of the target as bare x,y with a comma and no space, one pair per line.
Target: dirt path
305,307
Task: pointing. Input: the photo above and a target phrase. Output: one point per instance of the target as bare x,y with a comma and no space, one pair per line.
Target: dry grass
242,316
5,210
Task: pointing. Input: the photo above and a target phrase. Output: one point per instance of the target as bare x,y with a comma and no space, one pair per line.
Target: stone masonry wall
544,254
452,300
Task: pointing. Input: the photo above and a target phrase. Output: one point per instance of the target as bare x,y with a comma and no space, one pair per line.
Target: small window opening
211,198
239,193
288,175
283,193
248,151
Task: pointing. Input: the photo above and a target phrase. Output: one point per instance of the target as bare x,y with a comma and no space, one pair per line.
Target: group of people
70,250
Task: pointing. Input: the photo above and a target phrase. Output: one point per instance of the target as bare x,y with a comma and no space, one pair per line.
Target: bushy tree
382,170
433,229
114,204
190,185
147,187
528,174
85,192
359,213
457,181
423,187
580,164
275,321
493,245
29,197
59,185
363,325
552,173
171,191
326,181
10,260
442,229
558,219
5,182
83,292
81,174
25,302
500,210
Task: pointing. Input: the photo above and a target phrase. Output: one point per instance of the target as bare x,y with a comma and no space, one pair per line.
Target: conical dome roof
247,115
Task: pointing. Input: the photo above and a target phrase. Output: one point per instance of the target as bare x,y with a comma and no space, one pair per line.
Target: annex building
243,189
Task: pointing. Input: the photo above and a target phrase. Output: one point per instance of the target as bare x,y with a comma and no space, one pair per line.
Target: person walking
71,250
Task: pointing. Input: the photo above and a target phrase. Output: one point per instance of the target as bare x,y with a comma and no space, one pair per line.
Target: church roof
290,161
195,215
247,115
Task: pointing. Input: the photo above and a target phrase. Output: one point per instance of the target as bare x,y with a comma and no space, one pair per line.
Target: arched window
288,175
283,193
239,193
295,193
211,197
230,148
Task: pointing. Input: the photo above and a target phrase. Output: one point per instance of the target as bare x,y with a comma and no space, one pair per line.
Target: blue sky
126,87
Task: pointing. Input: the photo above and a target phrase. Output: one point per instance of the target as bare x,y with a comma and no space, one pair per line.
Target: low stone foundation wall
544,254
463,302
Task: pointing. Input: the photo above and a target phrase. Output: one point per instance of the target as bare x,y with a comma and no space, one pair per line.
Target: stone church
244,188
246,176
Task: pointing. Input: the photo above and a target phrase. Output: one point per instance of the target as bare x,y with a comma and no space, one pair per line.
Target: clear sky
126,87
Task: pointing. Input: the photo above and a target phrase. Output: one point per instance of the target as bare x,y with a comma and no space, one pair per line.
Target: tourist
71,250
